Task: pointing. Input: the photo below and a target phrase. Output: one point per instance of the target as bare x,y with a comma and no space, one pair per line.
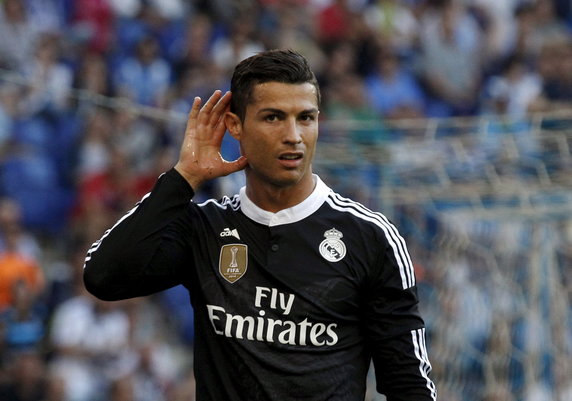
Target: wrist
194,181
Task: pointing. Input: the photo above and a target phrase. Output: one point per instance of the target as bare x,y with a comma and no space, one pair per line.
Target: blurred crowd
93,102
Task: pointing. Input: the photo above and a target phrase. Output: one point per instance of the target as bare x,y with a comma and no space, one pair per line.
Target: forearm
395,334
126,262
402,368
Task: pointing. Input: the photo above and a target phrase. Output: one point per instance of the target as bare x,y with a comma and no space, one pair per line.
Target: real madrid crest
332,248
233,261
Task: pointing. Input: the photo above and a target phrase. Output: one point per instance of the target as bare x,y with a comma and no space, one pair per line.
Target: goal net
485,205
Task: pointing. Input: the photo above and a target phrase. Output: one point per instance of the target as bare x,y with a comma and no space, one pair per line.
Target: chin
292,179
285,179
279,179
285,182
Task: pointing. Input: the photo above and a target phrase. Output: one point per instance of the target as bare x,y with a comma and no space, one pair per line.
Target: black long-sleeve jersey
288,306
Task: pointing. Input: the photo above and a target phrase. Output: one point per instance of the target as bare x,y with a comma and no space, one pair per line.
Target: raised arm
141,254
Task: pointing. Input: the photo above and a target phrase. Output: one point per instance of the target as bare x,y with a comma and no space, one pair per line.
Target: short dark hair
284,66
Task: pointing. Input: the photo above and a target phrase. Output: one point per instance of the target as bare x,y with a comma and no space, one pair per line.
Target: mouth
291,159
290,156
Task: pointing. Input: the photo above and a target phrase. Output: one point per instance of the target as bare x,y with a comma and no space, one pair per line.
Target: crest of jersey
332,248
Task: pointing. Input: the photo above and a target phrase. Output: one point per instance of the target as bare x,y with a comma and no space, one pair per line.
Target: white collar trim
286,216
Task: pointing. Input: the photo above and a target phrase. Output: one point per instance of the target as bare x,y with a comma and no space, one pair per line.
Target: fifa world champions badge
332,248
233,261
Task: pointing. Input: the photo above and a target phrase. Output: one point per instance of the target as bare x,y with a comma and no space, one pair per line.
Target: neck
274,198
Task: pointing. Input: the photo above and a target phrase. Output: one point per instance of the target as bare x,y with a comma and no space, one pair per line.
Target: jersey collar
286,216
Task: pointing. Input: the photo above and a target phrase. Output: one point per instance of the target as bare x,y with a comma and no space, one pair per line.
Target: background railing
486,207
485,204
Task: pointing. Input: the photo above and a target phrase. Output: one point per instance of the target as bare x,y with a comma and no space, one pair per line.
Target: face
278,135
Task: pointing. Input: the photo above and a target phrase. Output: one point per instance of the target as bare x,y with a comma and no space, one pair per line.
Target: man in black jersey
295,288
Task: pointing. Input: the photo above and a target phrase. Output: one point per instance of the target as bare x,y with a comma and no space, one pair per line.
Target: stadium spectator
126,10
144,77
450,59
513,91
157,356
521,42
340,62
137,138
132,9
507,100
392,89
497,19
111,188
105,178
291,27
239,43
50,79
394,25
347,100
55,388
94,149
48,16
563,382
547,27
498,392
15,24
334,23
11,225
92,23
554,67
17,269
23,323
195,80
496,364
123,389
91,344
193,47
186,389
92,77
9,100
27,373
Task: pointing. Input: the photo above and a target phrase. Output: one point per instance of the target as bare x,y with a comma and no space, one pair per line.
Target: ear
233,124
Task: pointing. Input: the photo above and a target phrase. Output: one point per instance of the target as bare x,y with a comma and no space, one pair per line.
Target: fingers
203,121
193,115
206,121
213,110
195,108
209,105
222,104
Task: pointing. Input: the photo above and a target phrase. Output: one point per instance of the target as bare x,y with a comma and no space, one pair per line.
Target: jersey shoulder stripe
392,235
223,203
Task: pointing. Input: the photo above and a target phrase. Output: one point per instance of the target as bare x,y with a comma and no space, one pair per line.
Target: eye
271,118
307,117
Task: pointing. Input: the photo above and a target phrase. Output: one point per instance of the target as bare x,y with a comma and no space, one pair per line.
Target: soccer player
295,289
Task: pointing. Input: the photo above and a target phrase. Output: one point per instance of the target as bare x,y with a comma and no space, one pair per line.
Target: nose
292,132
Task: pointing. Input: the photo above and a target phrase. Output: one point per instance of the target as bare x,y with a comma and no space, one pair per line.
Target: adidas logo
227,232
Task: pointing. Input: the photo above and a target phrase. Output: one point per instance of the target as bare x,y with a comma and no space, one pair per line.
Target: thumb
236,165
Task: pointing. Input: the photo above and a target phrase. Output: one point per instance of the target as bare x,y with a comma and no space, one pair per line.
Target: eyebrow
279,111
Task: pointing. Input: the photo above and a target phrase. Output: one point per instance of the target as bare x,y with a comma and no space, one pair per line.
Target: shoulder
362,216
221,208
375,228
